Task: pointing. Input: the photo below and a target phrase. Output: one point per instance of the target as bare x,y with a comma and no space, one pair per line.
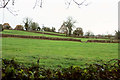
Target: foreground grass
54,54
16,32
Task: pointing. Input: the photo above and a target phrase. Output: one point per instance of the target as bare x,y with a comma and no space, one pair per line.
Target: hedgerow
104,71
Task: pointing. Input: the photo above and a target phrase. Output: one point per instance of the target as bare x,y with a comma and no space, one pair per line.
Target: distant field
51,32
56,54
16,32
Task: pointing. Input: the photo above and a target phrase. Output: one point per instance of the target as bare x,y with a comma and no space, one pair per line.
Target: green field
16,32
57,54
52,32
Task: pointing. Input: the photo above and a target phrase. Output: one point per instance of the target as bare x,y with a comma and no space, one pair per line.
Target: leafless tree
70,24
38,3
78,2
27,22
117,35
67,26
4,3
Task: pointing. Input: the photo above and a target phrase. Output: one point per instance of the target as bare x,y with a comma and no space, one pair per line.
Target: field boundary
68,36
60,39
104,41
41,37
65,35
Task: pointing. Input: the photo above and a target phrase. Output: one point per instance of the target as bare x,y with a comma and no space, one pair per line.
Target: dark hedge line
40,37
59,39
104,41
105,71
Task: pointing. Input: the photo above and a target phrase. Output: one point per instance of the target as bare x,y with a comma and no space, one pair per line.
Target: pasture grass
52,32
57,54
17,32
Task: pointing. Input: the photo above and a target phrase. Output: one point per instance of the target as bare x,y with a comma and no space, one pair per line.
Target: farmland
16,32
57,54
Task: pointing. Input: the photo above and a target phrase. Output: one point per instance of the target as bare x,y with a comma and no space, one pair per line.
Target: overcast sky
100,16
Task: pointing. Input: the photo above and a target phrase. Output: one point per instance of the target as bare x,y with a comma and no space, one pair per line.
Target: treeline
66,28
28,26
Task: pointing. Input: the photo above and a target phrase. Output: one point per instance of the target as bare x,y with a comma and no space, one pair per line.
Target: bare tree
27,22
70,24
117,35
4,3
78,3
67,26
38,3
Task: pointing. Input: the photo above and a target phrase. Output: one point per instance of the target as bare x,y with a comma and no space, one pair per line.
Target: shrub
104,71
78,32
89,33
48,29
19,27
34,26
6,26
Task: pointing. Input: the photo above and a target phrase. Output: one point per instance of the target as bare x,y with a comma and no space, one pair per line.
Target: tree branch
79,3
38,1
11,11
69,3
5,4
35,4
41,3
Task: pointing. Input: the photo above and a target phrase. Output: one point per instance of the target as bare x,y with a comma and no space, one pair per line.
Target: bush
19,27
48,29
78,32
6,26
34,26
104,71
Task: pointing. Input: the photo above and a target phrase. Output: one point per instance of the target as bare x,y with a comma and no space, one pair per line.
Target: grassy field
52,32
57,54
16,32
